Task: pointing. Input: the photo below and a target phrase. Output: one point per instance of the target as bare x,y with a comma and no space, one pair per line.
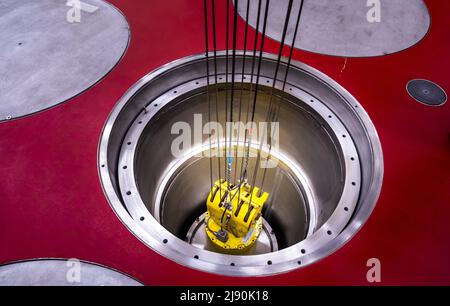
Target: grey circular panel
426,92
347,27
51,52
53,272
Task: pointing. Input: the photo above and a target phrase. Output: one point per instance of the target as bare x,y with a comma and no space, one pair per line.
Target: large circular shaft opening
323,170
308,170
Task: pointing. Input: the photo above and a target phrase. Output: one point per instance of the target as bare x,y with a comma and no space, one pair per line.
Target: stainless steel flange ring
326,184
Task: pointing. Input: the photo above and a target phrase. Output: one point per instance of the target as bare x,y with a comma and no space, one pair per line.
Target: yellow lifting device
232,222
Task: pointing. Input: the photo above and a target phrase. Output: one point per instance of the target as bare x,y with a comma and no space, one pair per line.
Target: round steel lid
55,272
346,27
54,50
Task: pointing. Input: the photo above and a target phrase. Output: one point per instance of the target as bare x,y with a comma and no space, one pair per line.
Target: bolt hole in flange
322,190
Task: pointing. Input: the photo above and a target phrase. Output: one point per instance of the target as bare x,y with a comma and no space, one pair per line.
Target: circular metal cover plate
51,52
53,272
347,27
426,92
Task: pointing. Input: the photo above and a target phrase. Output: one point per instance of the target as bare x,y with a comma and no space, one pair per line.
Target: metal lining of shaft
346,219
135,204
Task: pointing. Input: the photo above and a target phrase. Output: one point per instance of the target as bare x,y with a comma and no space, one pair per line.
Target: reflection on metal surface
342,27
331,167
46,60
426,92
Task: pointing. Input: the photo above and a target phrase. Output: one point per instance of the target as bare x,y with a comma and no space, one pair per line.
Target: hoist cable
288,67
233,72
207,87
244,164
270,107
244,58
213,13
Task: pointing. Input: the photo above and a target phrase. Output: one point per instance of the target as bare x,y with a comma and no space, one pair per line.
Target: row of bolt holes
232,264
129,143
268,81
303,251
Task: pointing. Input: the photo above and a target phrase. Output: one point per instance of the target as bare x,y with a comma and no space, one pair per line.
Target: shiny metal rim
136,207
285,260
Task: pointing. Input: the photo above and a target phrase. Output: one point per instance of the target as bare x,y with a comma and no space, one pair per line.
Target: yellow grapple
232,222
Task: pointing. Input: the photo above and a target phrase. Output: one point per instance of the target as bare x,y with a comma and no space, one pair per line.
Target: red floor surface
52,203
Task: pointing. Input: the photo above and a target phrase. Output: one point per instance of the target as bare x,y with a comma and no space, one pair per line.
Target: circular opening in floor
323,169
